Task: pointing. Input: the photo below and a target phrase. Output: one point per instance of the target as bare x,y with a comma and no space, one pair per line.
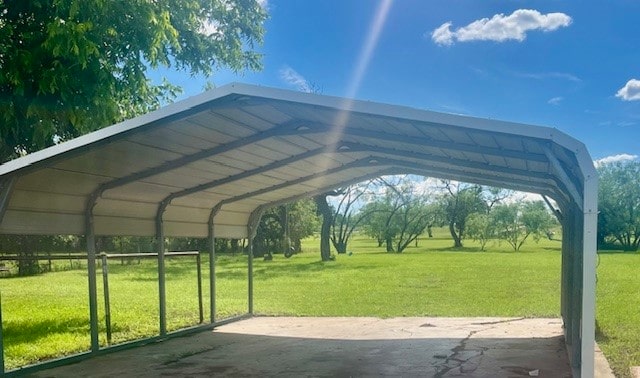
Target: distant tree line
397,210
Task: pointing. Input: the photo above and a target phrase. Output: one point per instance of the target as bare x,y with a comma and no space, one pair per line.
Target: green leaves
619,204
515,222
72,66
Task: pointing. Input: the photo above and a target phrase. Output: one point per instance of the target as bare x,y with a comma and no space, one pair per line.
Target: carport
210,165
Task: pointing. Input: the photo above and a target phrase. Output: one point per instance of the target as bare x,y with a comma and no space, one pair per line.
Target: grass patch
418,282
47,316
618,310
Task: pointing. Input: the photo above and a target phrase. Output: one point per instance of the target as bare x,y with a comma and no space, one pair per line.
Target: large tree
326,212
515,222
398,213
459,200
481,228
619,204
301,220
479,225
348,214
68,67
282,228
72,66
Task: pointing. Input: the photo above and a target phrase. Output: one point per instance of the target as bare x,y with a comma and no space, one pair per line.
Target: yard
47,315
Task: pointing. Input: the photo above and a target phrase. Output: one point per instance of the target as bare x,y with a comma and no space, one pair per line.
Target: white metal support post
91,270
212,264
589,244
252,228
250,276
162,305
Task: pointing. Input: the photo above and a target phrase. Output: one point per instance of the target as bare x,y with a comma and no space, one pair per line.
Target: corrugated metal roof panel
250,146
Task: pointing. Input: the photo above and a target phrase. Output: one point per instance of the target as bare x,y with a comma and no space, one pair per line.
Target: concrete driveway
346,347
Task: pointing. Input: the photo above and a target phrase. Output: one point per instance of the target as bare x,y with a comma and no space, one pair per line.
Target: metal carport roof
216,160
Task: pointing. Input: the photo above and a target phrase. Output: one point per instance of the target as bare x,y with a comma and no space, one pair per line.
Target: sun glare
361,66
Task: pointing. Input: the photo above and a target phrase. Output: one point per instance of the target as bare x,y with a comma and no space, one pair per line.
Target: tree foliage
515,222
347,215
400,215
302,221
283,227
619,204
480,228
68,67
457,203
270,233
72,66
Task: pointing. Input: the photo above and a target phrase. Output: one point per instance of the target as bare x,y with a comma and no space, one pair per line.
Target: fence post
199,266
107,306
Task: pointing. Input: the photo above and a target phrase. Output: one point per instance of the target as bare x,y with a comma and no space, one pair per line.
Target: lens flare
364,58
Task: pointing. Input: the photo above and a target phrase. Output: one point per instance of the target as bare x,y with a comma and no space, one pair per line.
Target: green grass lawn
430,280
47,315
618,310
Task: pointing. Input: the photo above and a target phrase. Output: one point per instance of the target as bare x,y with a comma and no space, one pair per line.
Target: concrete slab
329,347
602,369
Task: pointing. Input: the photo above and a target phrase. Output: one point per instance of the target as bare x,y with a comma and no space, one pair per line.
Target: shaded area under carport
328,347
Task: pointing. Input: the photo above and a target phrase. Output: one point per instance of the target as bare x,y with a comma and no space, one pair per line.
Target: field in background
430,280
47,315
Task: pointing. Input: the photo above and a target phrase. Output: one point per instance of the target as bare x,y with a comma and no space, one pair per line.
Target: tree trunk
325,246
297,245
234,245
327,219
341,247
27,265
389,242
457,242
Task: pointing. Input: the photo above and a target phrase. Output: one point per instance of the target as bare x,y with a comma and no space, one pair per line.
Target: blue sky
572,65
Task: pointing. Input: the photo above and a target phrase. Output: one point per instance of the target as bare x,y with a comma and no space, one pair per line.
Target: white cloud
518,196
212,27
293,78
428,185
555,100
614,159
549,75
501,28
443,35
630,91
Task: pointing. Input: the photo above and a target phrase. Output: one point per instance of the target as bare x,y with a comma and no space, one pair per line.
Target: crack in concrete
499,321
457,359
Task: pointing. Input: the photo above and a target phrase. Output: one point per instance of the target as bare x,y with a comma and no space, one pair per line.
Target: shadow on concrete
346,347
